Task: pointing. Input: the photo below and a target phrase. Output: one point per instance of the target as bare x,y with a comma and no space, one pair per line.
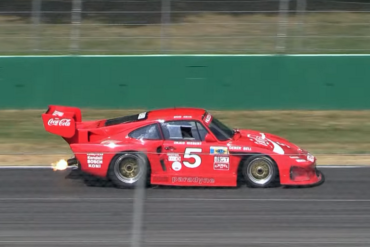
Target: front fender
286,164
283,161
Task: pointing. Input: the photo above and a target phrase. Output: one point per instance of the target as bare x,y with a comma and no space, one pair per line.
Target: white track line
203,241
62,241
261,199
29,167
49,167
193,55
26,167
344,166
76,199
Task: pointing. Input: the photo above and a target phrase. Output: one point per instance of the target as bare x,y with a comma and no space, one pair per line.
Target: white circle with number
176,166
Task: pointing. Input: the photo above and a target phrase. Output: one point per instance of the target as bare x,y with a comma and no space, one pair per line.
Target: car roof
175,113
170,113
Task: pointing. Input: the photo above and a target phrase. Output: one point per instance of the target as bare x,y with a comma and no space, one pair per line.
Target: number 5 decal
188,155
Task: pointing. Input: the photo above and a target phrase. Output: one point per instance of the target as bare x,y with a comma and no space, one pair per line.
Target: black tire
318,172
323,177
260,176
138,167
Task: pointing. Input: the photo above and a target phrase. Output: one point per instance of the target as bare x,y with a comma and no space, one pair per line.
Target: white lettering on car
208,118
221,163
262,140
190,153
94,160
197,180
59,122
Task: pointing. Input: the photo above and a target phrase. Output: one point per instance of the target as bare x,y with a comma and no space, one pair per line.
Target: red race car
179,147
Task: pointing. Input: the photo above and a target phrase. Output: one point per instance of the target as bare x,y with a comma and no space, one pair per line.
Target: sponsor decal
195,180
58,113
282,144
235,148
188,143
208,118
221,163
179,143
262,140
190,153
219,150
221,167
142,115
179,117
221,159
193,143
238,148
94,160
59,122
258,140
176,166
174,157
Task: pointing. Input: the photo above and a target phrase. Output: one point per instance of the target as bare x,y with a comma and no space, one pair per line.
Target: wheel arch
245,156
148,164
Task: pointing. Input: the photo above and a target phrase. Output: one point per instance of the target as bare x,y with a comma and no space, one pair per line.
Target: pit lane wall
213,82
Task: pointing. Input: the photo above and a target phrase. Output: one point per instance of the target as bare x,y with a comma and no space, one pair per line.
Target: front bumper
303,176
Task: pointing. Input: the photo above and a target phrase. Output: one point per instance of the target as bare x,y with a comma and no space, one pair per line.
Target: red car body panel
207,162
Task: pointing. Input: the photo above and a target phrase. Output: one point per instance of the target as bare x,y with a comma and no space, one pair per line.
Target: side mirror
210,138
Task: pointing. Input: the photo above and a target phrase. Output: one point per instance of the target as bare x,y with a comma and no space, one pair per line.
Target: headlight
310,157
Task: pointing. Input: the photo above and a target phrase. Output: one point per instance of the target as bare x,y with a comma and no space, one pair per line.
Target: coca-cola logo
59,122
258,139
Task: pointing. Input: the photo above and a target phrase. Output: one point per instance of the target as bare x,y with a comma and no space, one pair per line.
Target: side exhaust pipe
64,164
72,161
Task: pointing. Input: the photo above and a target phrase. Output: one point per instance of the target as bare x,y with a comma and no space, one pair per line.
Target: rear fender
95,159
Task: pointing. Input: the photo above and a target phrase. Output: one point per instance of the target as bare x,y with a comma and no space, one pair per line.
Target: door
190,160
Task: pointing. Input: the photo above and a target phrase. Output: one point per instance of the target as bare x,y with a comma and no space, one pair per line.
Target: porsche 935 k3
179,147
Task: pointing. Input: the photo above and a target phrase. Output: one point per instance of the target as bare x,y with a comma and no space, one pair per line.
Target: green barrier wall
212,82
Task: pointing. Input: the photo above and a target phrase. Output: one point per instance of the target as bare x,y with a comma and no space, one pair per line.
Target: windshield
221,131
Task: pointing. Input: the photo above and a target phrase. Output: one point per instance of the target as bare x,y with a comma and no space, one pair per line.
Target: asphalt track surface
42,208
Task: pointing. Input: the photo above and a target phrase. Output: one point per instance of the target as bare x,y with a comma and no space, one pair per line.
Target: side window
180,130
150,132
202,131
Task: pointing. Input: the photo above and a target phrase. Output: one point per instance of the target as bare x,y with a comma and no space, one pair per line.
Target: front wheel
260,172
127,170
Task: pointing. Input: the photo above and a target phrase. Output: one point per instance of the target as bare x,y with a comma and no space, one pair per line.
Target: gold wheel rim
260,170
129,168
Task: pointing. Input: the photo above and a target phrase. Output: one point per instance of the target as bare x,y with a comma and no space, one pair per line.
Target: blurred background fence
184,26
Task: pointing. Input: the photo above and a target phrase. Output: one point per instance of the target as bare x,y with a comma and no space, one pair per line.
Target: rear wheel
260,172
127,170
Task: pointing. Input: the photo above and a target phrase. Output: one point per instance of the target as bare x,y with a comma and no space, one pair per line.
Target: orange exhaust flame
60,165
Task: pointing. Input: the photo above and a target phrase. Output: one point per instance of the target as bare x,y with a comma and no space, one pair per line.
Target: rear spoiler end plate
61,120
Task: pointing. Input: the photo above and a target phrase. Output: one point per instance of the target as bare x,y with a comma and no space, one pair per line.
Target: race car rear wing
61,120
